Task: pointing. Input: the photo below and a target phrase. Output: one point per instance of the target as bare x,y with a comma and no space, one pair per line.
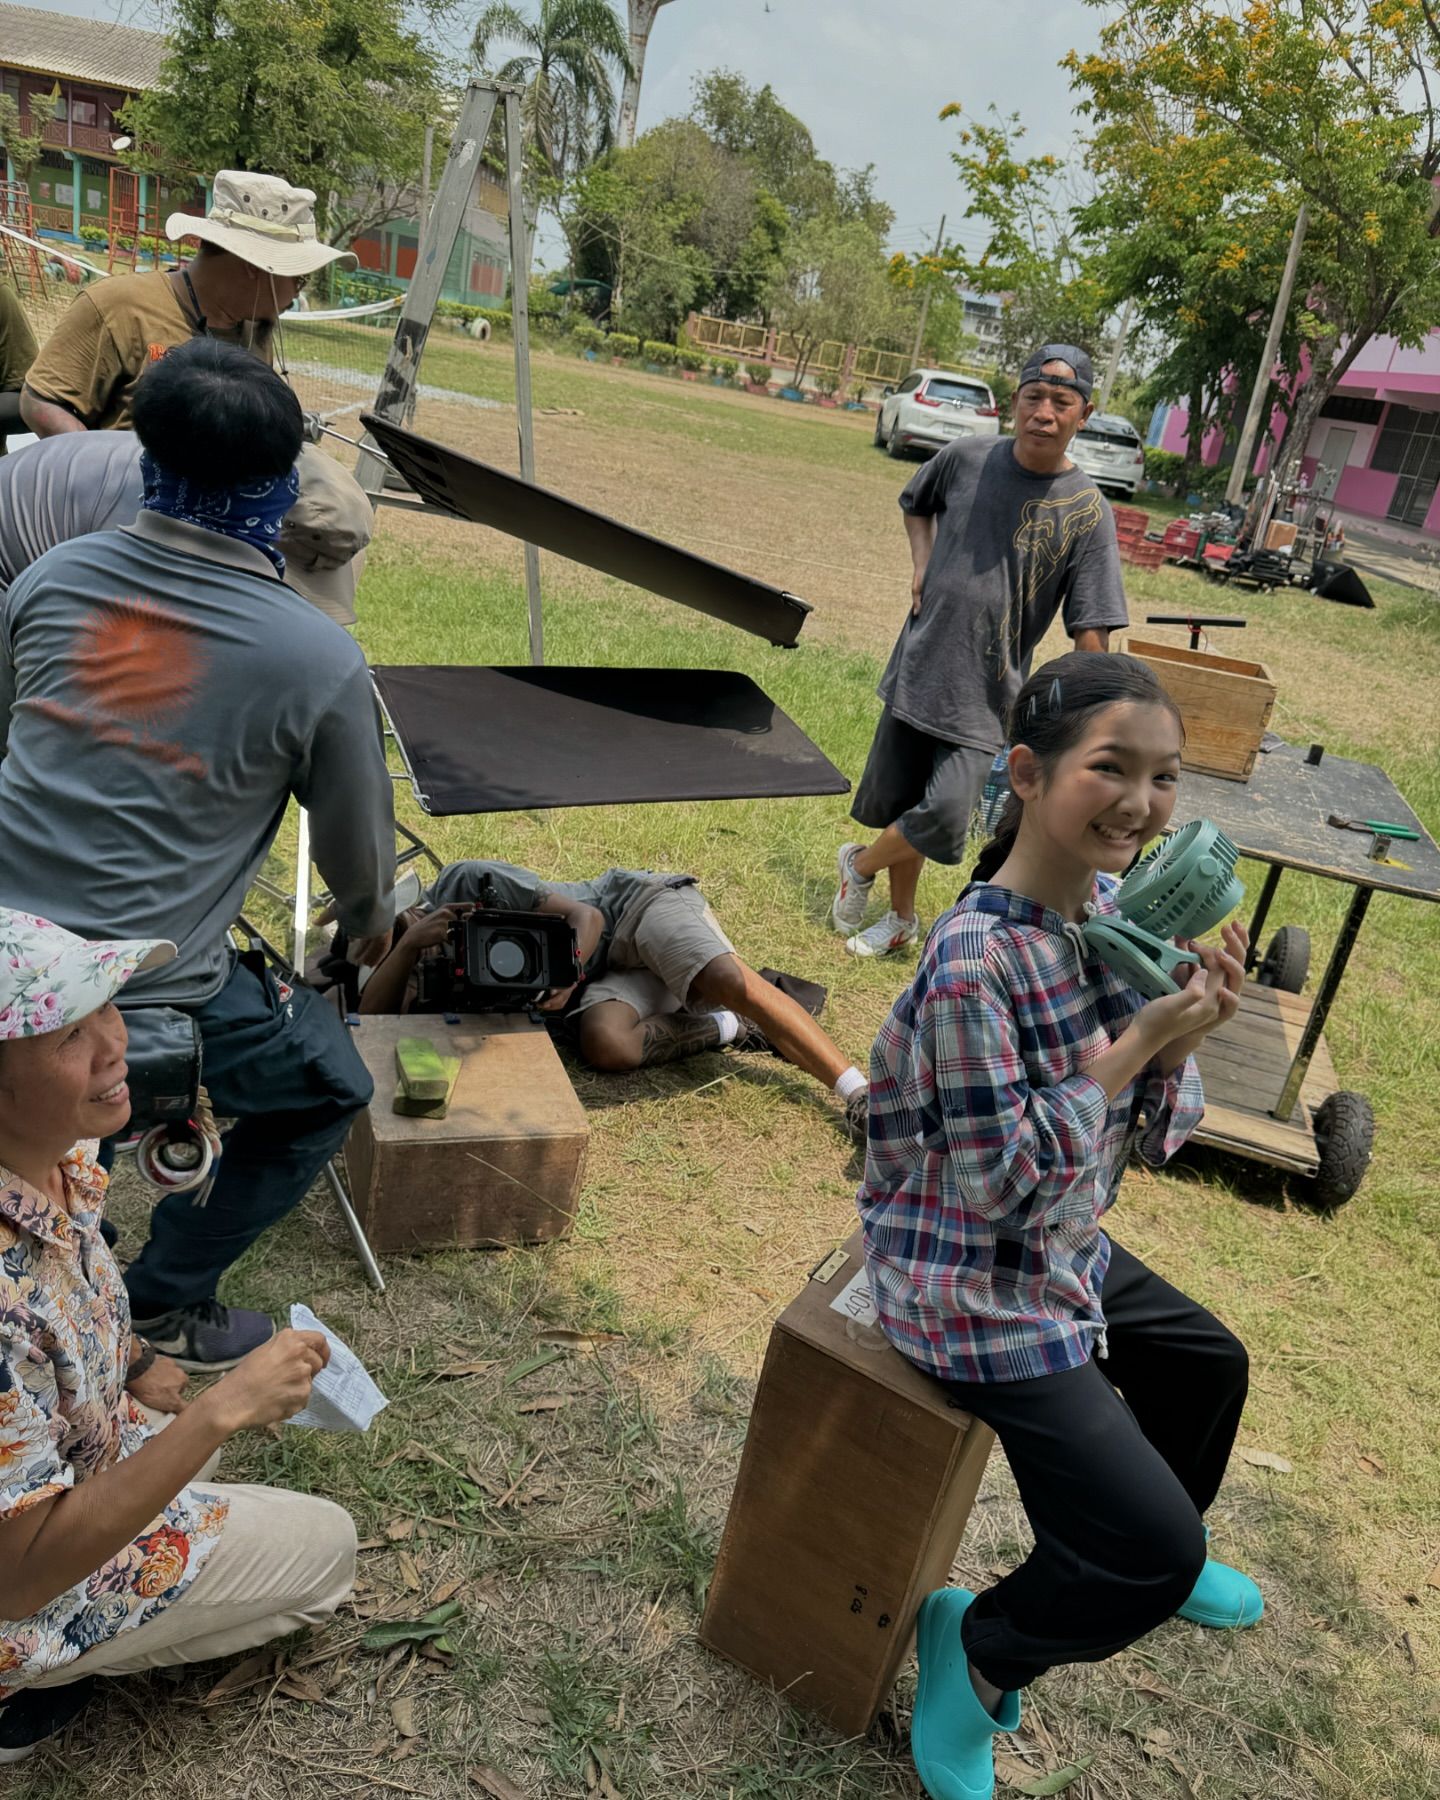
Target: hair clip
1057,698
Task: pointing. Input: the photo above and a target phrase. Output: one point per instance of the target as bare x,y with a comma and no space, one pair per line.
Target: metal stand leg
357,1231
302,890
1320,1011
1262,912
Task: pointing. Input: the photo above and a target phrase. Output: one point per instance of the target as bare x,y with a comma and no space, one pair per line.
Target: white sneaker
884,937
852,897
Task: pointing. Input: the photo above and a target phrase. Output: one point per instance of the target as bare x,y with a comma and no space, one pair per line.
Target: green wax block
411,1106
422,1069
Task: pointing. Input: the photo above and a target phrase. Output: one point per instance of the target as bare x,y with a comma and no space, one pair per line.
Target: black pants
1114,1488
283,1066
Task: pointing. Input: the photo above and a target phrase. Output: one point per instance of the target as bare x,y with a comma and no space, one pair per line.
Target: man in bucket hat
258,247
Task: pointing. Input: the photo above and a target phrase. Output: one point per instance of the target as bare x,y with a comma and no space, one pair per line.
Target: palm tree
642,19
564,64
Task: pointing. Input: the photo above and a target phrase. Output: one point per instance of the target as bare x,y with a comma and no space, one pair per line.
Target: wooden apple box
502,1167
1225,702
857,1481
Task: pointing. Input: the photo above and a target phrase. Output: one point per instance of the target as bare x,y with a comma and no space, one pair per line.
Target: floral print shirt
65,1417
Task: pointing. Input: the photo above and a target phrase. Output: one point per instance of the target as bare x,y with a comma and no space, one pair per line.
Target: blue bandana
252,511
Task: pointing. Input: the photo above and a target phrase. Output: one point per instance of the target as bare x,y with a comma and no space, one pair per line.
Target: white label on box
854,1300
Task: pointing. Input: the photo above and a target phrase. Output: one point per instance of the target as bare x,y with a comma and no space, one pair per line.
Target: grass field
581,1535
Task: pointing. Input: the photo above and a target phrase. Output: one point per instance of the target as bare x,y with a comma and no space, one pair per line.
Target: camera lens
507,959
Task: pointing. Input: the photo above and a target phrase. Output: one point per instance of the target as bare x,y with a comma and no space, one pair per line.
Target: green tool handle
1394,831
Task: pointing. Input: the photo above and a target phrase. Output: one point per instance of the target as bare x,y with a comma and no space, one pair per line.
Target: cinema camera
163,1060
495,960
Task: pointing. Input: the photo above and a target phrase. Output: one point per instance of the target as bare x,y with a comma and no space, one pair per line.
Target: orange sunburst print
139,663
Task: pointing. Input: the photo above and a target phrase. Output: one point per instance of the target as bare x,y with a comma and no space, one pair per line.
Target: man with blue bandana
163,695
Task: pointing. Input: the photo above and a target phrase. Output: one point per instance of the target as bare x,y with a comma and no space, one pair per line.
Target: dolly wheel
1287,961
1344,1135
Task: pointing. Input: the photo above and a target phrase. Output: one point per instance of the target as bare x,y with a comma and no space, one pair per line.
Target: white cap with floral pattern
49,977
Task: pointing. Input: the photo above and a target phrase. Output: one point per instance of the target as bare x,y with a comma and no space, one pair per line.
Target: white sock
851,1081
729,1025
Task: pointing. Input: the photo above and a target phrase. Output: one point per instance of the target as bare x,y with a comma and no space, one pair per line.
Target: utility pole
1235,487
925,297
425,191
1112,368
422,228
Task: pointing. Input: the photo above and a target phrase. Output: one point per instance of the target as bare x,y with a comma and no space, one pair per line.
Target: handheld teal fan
1184,887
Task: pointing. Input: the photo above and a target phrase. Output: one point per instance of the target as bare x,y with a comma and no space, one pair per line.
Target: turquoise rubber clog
1224,1599
951,1733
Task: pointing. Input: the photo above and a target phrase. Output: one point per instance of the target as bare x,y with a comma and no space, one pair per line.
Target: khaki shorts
677,936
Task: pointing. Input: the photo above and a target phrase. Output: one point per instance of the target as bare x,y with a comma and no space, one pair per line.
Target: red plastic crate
1131,521
1144,553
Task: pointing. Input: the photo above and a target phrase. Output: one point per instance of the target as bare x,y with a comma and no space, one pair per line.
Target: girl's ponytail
1007,828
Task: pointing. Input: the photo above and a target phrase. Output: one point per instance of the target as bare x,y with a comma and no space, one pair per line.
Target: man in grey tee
163,695
82,481
1003,534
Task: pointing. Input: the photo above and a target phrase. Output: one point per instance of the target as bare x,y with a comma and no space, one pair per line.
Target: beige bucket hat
264,221
325,535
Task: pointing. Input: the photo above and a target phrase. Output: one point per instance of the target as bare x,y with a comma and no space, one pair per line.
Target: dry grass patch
581,1533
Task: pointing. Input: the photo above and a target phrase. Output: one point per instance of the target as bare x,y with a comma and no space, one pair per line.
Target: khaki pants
284,1561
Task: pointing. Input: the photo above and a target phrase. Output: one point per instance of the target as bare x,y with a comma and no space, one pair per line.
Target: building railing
64,135
851,362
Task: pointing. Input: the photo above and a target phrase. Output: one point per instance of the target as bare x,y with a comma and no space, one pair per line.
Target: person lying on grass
118,1551
1008,1087
662,981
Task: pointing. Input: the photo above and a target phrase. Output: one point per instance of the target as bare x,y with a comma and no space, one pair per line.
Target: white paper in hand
343,1397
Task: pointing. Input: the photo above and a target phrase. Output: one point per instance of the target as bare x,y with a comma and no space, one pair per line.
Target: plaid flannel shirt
992,1155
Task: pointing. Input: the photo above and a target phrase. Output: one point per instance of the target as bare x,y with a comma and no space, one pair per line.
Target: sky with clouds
867,76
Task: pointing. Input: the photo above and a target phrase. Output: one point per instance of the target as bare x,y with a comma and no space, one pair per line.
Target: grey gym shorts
929,788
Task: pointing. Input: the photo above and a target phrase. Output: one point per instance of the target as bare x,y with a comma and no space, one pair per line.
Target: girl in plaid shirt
1007,1089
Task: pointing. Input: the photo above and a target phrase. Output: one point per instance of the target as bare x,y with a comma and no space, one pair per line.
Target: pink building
1377,438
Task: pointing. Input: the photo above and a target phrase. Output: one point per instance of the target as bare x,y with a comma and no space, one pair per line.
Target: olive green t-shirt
17,344
110,336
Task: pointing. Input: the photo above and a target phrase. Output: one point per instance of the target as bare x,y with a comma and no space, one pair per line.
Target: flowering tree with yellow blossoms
1233,114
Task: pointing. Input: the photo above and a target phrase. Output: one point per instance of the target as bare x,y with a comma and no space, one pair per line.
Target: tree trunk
1290,451
642,18
1194,436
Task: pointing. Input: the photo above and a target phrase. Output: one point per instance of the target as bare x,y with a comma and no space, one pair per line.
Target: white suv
1109,450
930,409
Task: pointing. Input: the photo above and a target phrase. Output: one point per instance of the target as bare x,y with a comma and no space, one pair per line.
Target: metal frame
399,382
331,1174
1324,994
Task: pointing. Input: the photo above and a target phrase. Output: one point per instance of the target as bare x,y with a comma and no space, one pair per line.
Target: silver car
1109,450
931,408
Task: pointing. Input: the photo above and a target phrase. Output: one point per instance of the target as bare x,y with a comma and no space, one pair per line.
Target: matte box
853,1494
502,1167
1225,702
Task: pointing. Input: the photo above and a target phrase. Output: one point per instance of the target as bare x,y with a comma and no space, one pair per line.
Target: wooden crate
853,1494
1225,702
504,1165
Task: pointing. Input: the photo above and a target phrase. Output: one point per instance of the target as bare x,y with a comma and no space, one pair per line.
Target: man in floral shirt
117,1551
